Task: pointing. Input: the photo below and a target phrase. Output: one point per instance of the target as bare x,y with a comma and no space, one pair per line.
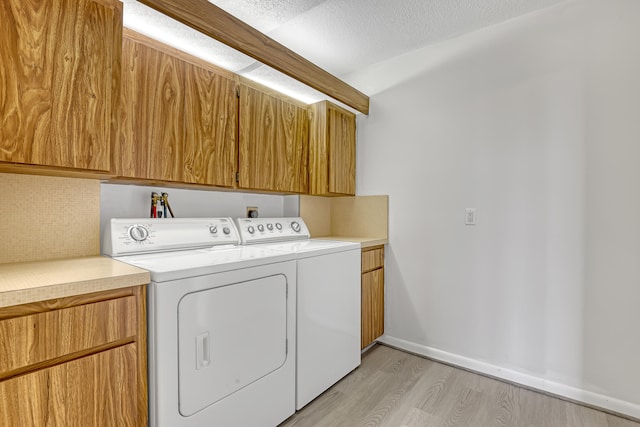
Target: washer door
230,337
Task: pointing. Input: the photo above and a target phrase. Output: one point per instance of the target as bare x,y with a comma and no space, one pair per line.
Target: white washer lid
314,247
167,266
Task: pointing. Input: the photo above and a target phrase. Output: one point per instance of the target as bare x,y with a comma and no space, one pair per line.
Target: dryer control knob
295,226
269,226
278,226
139,233
260,227
250,229
213,229
226,230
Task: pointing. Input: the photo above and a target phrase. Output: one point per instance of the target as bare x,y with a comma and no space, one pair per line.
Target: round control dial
226,230
260,227
250,229
278,226
295,226
269,226
139,233
213,229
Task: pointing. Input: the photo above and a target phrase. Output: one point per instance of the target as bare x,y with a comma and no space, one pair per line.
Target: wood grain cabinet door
211,126
372,293
274,137
332,150
83,392
342,151
59,71
150,117
372,306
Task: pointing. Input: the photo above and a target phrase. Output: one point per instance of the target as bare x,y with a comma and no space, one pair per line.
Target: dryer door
230,337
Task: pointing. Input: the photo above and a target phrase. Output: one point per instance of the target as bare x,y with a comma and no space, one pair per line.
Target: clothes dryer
221,322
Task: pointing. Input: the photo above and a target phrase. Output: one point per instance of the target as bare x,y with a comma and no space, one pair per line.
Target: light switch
470,216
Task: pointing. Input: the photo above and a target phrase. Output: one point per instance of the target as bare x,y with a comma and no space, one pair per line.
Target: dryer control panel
143,235
268,230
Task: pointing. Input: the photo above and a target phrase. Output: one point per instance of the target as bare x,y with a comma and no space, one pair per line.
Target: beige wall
359,216
44,217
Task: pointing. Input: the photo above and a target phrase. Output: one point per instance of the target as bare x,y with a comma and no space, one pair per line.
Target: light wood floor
396,389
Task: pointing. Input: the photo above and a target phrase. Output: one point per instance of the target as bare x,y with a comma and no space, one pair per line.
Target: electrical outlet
252,212
470,216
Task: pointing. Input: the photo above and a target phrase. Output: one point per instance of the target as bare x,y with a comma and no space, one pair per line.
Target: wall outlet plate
252,212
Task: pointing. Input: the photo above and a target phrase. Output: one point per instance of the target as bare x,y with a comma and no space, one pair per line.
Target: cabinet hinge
238,92
237,176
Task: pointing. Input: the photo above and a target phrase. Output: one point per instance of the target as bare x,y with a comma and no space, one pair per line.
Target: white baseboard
530,381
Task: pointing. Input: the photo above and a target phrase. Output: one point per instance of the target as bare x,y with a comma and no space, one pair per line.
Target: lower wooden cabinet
372,294
89,391
76,361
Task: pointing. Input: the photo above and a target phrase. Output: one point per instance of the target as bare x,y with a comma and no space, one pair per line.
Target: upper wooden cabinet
274,135
332,150
150,119
59,76
211,120
177,121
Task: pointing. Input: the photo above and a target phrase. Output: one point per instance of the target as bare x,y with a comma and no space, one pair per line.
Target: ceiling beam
214,22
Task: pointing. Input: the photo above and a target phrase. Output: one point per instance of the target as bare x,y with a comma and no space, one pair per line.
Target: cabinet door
59,70
372,306
97,390
211,121
274,137
341,129
150,116
332,152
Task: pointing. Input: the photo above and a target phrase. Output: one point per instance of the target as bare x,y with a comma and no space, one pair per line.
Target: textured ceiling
341,36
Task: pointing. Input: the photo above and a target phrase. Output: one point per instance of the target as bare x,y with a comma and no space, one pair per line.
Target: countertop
365,242
26,282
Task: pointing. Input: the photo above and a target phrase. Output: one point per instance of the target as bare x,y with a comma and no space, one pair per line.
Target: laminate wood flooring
397,389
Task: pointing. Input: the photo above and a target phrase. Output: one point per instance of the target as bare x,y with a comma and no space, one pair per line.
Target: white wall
134,201
536,124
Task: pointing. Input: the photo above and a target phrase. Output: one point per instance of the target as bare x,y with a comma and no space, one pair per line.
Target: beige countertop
26,282
365,242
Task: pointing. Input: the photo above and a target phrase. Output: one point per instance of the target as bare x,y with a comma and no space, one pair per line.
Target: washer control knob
226,230
213,229
295,226
269,226
250,229
260,227
278,226
139,233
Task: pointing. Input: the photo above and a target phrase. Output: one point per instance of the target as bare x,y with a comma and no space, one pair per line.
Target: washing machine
221,322
328,300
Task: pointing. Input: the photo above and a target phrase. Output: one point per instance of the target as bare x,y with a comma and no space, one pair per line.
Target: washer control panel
142,235
266,230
